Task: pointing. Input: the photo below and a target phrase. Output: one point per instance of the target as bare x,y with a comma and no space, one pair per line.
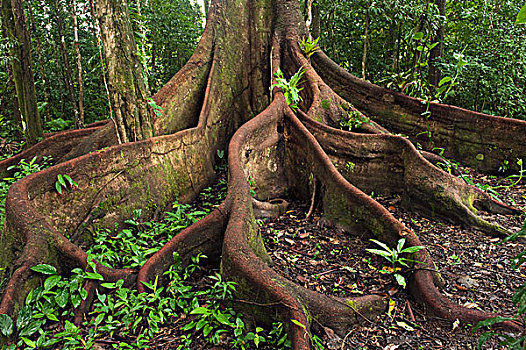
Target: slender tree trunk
420,26
128,92
45,85
12,98
206,5
308,14
365,41
68,80
79,122
16,28
316,20
436,52
142,29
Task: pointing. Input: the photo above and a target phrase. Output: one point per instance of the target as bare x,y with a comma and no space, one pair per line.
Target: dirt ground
477,272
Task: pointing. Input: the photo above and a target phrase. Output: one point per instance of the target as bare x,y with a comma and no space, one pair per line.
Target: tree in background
14,20
413,45
128,92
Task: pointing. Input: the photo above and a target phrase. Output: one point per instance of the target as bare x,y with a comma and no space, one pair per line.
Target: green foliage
394,256
157,110
402,34
58,124
22,169
309,46
63,181
44,319
290,88
353,120
521,16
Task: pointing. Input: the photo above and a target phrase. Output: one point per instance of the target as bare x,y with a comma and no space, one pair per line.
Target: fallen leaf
470,305
405,326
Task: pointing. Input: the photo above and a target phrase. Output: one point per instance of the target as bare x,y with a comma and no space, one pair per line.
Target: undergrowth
21,170
122,318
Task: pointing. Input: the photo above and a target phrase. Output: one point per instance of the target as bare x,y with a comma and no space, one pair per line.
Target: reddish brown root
54,145
475,139
278,153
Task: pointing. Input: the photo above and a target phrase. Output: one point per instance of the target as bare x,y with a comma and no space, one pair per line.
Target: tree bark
315,29
15,19
436,52
128,92
11,97
79,122
365,41
45,85
68,76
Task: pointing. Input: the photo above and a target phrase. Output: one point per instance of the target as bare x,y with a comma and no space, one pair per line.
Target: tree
15,24
128,92
221,100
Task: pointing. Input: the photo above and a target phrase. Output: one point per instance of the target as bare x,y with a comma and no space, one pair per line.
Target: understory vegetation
391,42
189,300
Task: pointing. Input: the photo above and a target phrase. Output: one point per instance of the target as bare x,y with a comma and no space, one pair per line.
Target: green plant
394,256
63,180
57,124
290,88
157,110
352,120
521,16
21,170
251,185
519,299
309,46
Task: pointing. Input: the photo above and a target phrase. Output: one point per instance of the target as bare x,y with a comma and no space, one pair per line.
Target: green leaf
32,328
444,80
298,323
383,245
400,280
62,298
418,36
380,252
61,180
45,269
24,317
58,187
222,318
490,322
400,244
484,337
51,282
29,342
6,325
521,17
52,317
200,311
412,249
94,276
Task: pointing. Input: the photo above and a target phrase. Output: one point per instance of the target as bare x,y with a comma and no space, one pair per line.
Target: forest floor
478,273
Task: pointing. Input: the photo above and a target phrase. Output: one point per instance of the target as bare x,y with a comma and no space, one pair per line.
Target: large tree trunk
15,19
126,84
221,100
